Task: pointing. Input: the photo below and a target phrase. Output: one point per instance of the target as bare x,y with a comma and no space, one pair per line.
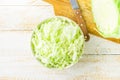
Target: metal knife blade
74,4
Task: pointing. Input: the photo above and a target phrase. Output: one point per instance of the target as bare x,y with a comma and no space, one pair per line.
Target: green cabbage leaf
107,17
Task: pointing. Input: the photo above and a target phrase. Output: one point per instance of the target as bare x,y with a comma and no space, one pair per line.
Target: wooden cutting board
100,61
63,8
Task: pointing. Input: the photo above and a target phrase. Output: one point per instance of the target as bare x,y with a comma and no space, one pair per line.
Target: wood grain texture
23,17
90,67
100,61
14,43
22,2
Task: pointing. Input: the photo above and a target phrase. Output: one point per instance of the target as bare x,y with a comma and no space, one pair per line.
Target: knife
80,19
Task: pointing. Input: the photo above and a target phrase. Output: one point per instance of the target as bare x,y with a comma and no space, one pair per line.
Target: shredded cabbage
57,42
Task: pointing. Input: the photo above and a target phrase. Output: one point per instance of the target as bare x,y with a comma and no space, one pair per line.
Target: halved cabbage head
57,42
107,17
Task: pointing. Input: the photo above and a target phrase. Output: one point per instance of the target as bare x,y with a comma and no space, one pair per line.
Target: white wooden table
101,59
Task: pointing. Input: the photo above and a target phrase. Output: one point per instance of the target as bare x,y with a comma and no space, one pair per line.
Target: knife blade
80,19
74,4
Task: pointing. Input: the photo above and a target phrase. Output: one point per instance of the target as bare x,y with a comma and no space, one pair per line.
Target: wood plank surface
23,17
22,2
100,61
90,67
14,43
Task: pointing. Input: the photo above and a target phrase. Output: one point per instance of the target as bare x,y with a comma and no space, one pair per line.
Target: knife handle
82,23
